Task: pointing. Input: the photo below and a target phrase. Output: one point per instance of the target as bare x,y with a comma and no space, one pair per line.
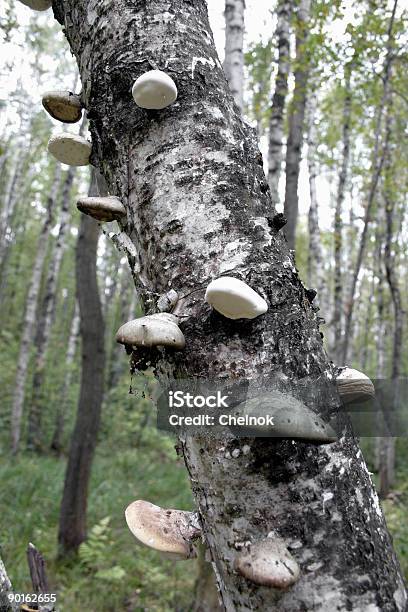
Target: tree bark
338,222
276,121
197,201
29,317
72,522
234,49
296,121
377,166
5,589
387,448
56,442
45,320
315,266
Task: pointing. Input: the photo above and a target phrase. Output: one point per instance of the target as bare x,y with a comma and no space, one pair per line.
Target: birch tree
234,48
28,322
197,201
276,121
296,120
46,316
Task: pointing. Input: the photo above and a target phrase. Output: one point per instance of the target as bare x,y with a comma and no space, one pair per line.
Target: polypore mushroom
268,563
170,532
108,208
354,386
70,149
291,419
235,299
63,106
159,329
154,90
37,5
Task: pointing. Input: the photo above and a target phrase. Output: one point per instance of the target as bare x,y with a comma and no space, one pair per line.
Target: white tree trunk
234,49
28,322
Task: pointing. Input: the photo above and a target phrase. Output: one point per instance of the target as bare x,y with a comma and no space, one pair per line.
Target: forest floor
113,573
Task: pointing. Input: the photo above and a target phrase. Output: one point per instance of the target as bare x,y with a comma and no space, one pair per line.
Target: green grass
141,580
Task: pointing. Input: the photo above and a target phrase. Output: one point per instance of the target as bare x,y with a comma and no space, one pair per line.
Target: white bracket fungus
354,386
63,106
154,90
268,563
235,299
70,149
159,329
107,208
170,532
289,418
37,5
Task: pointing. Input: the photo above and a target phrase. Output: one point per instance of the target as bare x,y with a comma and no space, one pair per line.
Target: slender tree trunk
276,121
207,598
296,121
46,317
204,218
30,314
11,197
387,451
72,523
315,267
56,442
234,49
338,222
377,166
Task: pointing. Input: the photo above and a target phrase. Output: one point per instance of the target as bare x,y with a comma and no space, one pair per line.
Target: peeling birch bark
192,181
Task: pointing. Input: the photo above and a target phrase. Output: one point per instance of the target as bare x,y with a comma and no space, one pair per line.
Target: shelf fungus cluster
154,90
105,209
291,419
159,329
268,563
354,386
37,5
63,106
235,299
170,532
70,149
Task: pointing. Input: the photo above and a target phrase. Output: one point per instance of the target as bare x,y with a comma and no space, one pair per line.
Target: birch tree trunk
296,121
47,312
30,314
387,448
234,49
73,512
46,317
377,166
197,201
338,223
315,267
276,121
56,442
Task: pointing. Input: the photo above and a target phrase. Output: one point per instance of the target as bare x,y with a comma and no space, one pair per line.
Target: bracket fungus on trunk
70,149
63,106
37,5
268,563
291,419
235,299
108,208
154,90
160,329
354,386
168,531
